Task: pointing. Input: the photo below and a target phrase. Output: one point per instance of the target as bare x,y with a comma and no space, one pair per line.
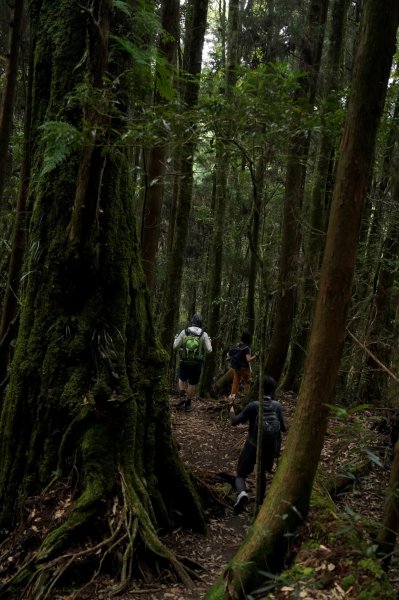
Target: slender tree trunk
257,187
312,44
288,499
11,296
318,219
382,337
174,271
151,224
389,529
217,240
7,101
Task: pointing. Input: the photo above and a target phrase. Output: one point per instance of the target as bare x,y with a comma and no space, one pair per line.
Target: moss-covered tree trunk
86,394
8,91
288,499
11,295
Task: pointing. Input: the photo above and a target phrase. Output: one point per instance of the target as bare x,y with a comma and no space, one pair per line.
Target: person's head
197,320
246,337
269,385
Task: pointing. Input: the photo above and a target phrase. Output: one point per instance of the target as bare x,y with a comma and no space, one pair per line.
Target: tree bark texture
312,44
11,295
390,519
314,238
192,60
86,392
222,174
383,334
7,100
151,225
288,499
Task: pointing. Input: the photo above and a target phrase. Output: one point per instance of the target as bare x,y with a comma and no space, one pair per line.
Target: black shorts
190,373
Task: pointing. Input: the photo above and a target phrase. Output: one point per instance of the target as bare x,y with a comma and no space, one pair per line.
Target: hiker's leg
183,376
191,391
182,387
236,382
245,466
182,383
194,375
246,377
267,460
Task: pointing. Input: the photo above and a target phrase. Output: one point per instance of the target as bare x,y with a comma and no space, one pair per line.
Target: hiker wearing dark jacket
243,370
190,370
273,413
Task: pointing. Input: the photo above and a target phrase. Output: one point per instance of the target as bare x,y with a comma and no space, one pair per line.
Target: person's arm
250,357
179,339
207,342
280,416
243,416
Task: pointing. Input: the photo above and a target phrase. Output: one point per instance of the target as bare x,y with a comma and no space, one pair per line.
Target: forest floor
209,446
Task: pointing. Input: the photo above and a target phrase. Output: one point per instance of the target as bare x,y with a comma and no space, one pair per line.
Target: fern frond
60,139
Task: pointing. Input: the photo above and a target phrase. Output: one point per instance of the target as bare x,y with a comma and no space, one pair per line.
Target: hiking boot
242,500
188,407
181,405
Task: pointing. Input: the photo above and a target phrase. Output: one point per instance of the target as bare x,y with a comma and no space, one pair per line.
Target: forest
232,160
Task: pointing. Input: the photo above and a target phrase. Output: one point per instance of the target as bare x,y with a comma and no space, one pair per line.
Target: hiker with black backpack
273,424
193,344
240,360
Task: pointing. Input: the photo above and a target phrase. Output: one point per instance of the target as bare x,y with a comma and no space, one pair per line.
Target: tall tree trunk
151,224
389,529
10,302
194,42
85,393
7,101
318,215
382,337
217,240
287,502
312,44
253,234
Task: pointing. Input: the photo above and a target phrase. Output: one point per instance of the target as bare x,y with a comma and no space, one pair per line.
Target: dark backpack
191,349
270,420
235,356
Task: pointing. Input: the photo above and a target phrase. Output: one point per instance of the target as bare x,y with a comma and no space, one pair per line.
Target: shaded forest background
218,132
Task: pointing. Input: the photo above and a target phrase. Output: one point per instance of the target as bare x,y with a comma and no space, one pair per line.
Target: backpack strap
187,332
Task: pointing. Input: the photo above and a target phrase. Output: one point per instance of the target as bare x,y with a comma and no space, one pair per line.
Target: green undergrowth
335,560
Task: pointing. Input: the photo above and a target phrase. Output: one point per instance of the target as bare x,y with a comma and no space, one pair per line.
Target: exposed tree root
131,530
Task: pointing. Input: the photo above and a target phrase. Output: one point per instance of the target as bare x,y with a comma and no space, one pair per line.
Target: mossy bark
86,392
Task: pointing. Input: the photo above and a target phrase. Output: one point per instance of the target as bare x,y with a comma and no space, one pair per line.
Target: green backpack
191,349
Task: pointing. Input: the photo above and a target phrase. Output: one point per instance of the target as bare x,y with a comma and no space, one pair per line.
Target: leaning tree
85,404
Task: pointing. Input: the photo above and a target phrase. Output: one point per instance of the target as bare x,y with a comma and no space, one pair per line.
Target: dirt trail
209,444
